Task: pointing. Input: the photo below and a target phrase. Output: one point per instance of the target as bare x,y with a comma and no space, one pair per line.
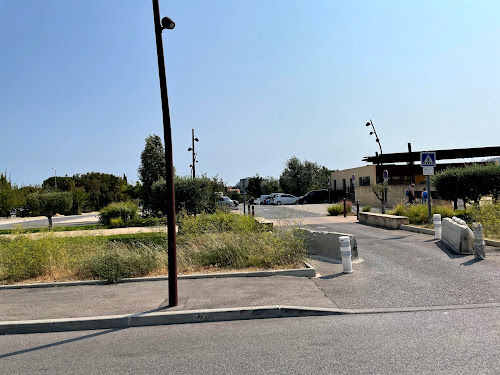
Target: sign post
386,179
243,185
428,162
354,188
329,188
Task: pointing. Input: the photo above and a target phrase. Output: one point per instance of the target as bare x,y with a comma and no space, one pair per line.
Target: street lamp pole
55,178
193,166
160,24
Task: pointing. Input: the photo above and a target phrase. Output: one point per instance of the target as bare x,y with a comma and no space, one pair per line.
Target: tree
468,183
269,185
380,191
300,177
254,187
10,196
152,167
48,204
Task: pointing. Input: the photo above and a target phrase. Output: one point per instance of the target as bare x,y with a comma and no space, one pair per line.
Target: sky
259,81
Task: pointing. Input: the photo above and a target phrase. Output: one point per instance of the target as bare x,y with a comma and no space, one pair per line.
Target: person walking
411,194
425,195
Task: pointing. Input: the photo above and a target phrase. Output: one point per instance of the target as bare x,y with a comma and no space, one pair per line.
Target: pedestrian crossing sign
428,159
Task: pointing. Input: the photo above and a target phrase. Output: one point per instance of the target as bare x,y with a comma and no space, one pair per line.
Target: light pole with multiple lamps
377,139
55,178
160,24
193,166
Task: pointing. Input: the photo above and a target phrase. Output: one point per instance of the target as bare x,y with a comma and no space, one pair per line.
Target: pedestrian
411,193
424,195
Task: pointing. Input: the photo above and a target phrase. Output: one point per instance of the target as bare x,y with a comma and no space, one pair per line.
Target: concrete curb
411,228
201,316
309,271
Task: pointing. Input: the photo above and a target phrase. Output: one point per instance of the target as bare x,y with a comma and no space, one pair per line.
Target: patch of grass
489,217
217,242
366,209
20,230
419,213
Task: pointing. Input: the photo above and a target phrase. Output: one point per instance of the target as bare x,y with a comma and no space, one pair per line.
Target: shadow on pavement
470,262
333,276
41,347
445,249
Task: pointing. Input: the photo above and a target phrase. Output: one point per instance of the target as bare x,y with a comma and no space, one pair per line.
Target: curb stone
309,271
201,316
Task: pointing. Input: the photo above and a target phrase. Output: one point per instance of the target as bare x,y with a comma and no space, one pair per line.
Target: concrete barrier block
459,237
383,220
327,244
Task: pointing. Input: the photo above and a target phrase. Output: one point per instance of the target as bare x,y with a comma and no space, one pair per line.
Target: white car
285,199
225,202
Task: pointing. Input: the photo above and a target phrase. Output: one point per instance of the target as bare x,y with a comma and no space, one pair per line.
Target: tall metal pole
169,178
194,161
55,178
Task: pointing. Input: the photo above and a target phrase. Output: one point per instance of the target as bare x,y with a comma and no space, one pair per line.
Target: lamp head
190,149
196,139
367,124
371,133
167,23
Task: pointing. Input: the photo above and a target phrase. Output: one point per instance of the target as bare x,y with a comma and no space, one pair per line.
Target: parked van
314,196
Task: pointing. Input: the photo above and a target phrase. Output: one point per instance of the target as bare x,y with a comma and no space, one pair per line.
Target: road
57,221
446,342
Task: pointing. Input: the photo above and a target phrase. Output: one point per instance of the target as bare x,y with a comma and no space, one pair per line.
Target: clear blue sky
259,81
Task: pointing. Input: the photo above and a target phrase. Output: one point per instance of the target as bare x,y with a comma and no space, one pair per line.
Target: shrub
335,209
366,209
116,222
489,217
120,261
124,210
217,222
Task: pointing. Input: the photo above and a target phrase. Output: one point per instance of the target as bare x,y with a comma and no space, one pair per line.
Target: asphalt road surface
445,342
57,221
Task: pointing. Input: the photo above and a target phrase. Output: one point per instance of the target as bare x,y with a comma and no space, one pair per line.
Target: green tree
270,185
152,167
254,187
300,177
10,196
48,204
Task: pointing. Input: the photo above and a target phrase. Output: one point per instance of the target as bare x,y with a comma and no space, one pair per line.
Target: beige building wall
338,177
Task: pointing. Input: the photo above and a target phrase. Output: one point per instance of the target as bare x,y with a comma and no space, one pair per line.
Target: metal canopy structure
456,153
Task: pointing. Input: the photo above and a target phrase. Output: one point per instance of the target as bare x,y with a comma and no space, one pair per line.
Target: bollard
478,242
249,208
345,209
436,218
253,210
345,252
357,210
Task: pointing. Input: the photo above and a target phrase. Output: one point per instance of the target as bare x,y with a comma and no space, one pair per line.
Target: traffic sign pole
428,162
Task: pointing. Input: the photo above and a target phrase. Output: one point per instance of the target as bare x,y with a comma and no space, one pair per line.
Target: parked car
265,199
285,199
314,196
225,202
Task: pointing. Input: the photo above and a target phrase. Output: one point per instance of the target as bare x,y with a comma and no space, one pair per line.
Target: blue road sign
428,159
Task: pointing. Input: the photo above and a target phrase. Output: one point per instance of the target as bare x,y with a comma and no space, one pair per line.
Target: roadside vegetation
338,208
206,243
488,215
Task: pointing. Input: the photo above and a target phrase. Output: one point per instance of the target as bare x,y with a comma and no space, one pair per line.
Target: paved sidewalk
140,297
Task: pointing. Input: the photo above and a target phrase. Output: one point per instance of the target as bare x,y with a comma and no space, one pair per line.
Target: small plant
124,210
116,222
366,209
335,209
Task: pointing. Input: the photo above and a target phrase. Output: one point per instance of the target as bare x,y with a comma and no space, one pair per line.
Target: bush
124,210
121,262
489,217
116,222
335,210
217,222
366,209
419,213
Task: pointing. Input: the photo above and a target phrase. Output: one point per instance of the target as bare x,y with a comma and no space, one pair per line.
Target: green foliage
300,177
48,204
124,210
468,183
218,222
192,195
204,243
152,168
489,217
335,209
119,262
254,187
419,213
366,209
269,185
10,196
